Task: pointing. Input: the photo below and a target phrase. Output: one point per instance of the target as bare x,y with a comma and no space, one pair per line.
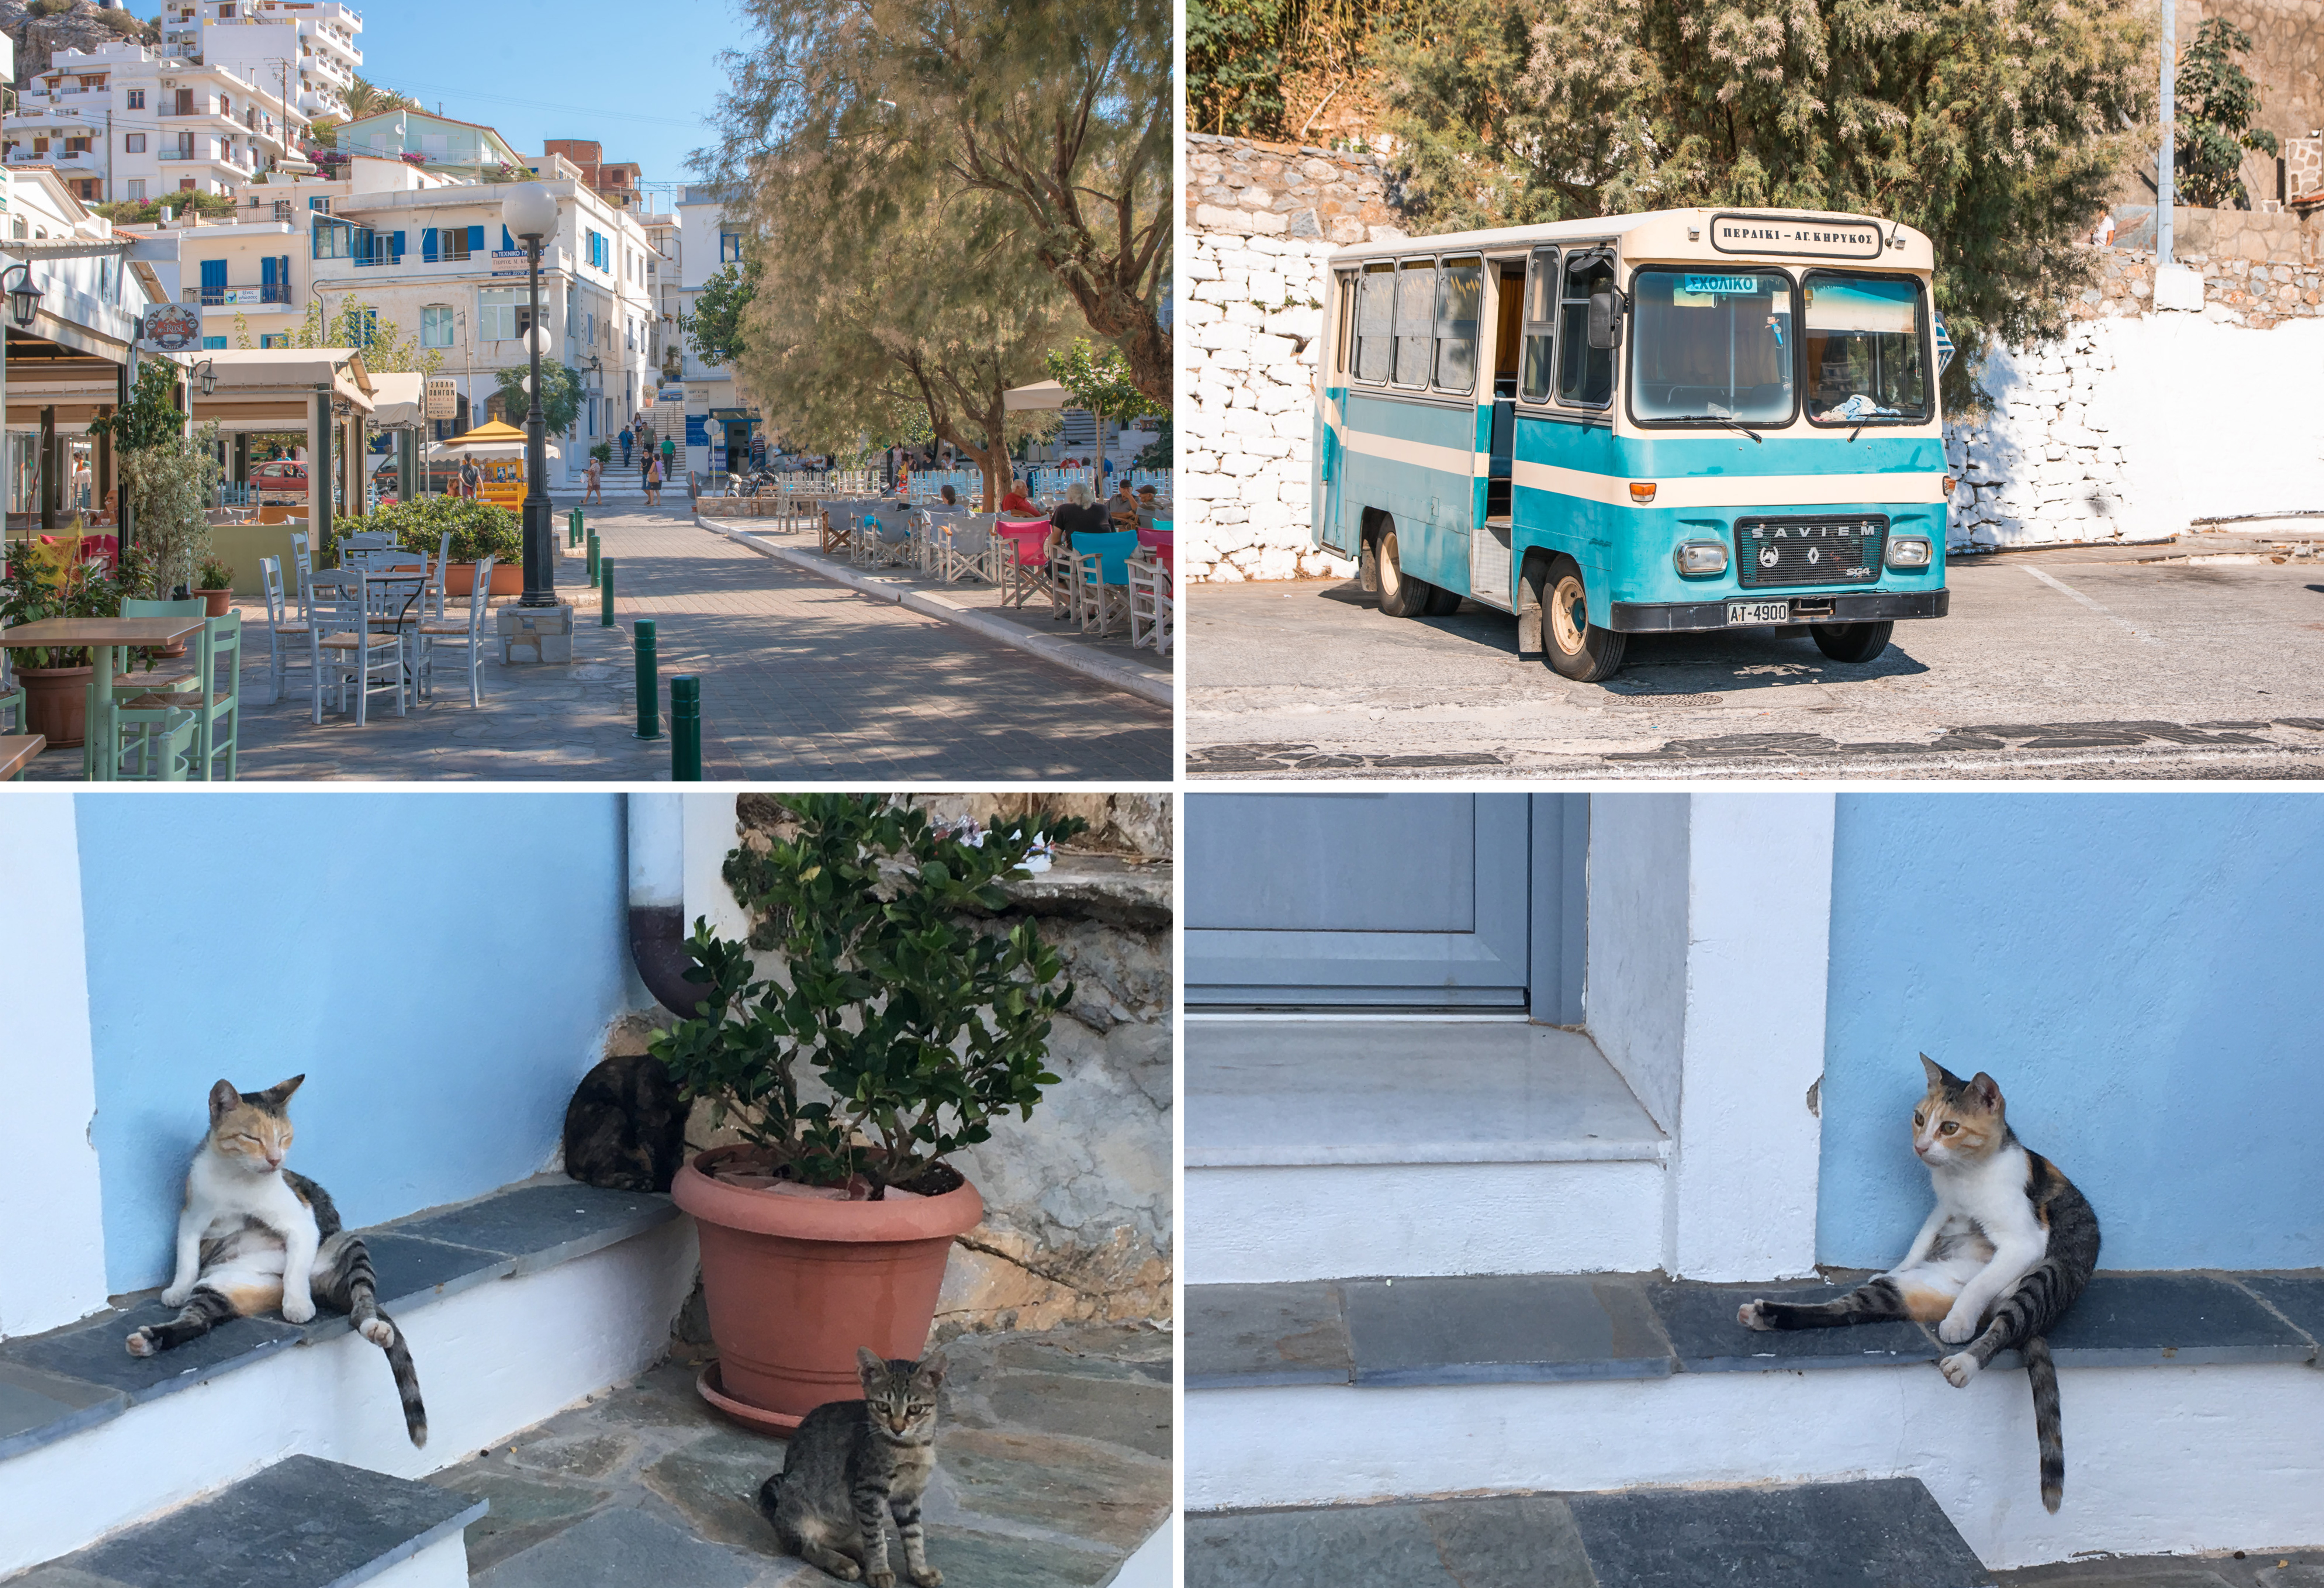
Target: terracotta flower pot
508,578
219,603
794,1284
56,703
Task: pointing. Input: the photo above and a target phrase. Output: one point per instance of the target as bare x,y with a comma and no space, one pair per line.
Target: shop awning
1039,396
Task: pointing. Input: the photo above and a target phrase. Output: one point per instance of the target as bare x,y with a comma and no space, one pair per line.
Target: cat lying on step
2004,1253
254,1235
852,1462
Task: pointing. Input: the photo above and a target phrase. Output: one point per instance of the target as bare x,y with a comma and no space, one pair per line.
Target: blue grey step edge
1871,1534
55,1384
1552,1327
303,1522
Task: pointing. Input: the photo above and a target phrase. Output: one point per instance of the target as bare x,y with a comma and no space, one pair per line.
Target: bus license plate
1759,612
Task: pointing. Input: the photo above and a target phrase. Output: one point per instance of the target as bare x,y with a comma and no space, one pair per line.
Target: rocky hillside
42,27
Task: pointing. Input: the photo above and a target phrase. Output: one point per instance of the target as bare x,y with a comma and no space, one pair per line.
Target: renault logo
1767,557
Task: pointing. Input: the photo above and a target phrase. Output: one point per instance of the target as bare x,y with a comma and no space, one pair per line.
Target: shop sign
172,327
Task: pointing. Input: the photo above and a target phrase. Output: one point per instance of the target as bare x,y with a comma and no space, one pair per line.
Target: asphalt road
2092,662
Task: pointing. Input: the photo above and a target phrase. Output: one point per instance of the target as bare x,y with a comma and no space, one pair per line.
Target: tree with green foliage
146,211
1099,380
166,476
1996,126
1234,64
2215,101
1040,128
386,347
715,329
560,396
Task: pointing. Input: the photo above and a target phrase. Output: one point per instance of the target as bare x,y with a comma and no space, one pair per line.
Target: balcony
238,296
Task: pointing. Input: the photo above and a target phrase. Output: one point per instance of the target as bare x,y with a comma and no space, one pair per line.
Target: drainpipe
657,834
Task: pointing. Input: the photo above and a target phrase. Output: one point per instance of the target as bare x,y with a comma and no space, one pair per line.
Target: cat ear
224,1100
933,1369
1938,1074
278,1094
870,1367
1985,1089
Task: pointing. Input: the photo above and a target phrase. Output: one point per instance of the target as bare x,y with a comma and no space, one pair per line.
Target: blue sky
639,78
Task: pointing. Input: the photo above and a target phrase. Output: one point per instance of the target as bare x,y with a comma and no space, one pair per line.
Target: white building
121,123
707,243
304,50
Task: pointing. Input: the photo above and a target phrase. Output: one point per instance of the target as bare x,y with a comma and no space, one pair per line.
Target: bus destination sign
1794,234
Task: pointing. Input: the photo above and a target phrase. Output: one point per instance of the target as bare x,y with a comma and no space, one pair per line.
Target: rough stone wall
83,27
2254,235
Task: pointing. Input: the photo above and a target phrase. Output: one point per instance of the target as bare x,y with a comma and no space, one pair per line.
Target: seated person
1123,506
1150,505
1017,504
1078,517
950,499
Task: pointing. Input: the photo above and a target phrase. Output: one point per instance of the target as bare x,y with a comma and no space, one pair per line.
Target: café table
16,753
402,620
105,637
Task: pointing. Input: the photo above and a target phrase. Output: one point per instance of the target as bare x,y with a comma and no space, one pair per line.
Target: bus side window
1540,326
1416,317
1343,345
1585,374
1375,314
1460,294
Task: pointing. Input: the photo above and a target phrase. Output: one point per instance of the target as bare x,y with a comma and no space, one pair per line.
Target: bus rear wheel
1442,602
1851,641
1575,648
1400,596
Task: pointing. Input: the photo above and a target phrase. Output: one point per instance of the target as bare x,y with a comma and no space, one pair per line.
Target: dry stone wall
2075,448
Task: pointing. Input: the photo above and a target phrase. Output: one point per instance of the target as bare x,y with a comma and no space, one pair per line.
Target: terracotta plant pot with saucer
795,1282
56,703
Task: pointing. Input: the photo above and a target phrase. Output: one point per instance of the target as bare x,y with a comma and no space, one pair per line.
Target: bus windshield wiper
1733,424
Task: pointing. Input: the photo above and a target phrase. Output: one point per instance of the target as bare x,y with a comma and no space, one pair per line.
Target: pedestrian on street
653,482
597,479
470,476
625,446
668,457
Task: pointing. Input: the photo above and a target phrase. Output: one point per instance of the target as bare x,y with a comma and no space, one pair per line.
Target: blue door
213,281
1384,901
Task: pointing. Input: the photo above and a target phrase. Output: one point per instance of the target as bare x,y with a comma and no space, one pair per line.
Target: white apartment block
122,122
707,243
302,49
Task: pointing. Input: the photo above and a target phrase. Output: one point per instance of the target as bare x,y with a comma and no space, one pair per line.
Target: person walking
596,473
654,480
668,457
625,446
470,477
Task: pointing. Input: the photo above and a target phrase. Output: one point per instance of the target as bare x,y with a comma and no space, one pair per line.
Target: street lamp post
531,211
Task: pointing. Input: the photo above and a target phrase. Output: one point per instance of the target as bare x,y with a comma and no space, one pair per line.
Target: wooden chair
283,623
339,627
210,706
1019,568
468,630
1102,581
966,553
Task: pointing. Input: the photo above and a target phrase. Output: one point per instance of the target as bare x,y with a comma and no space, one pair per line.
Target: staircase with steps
514,1305
1428,1258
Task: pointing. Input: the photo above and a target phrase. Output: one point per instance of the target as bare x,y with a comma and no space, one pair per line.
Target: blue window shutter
476,239
213,276
508,244
428,244
266,276
399,246
282,277
213,341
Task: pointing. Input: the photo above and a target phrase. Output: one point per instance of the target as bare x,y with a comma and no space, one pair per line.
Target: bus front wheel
1400,596
1851,641
1574,647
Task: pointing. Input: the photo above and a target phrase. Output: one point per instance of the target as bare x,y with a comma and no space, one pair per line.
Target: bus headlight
1909,551
1699,560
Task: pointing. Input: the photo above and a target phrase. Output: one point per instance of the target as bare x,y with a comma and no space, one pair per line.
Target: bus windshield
1863,345
1711,345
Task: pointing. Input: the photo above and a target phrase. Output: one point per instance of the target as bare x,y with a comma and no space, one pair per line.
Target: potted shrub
479,529
214,583
55,678
899,1023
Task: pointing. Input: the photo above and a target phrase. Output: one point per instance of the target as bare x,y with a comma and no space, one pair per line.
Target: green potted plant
214,583
603,452
479,529
55,678
899,1025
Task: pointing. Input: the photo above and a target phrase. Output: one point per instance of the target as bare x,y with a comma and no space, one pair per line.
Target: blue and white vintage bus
1688,420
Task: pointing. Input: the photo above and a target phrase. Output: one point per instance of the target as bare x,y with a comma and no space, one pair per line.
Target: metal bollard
593,559
686,729
605,593
572,528
648,683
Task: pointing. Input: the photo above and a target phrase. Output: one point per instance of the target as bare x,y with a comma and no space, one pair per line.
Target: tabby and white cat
2004,1253
254,1235
852,1461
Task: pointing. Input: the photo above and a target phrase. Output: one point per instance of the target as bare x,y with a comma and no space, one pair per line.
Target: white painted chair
966,552
468,630
341,640
287,630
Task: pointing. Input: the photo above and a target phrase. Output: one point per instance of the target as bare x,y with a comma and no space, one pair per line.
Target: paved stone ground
2072,663
800,679
2253,1568
1053,1464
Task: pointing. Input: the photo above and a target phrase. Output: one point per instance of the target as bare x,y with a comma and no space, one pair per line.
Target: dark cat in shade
625,1128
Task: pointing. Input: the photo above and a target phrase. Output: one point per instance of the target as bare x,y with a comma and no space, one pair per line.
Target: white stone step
1326,1148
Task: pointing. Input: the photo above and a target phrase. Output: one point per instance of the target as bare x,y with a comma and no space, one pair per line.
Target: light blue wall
2139,974
440,965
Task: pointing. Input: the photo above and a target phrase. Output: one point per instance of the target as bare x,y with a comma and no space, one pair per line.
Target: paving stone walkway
801,678
1053,1464
2242,1568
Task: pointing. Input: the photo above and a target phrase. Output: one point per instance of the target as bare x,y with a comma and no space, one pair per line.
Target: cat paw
1959,1368
880,1580
298,1312
379,1331
847,1571
928,1577
177,1295
1957,1329
1753,1315
140,1342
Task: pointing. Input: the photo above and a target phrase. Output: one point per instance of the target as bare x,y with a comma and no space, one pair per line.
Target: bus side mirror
1605,320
